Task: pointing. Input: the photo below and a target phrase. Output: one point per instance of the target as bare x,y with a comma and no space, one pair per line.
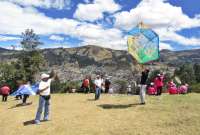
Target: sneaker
46,120
37,122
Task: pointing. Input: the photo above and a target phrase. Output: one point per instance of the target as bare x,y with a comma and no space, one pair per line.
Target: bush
122,86
195,88
64,87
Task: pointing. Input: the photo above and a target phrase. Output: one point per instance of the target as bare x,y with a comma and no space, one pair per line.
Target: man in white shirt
98,85
44,100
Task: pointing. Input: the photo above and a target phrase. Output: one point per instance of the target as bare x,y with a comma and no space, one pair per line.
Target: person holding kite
143,85
44,99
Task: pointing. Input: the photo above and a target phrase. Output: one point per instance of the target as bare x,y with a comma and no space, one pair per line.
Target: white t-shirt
43,85
98,83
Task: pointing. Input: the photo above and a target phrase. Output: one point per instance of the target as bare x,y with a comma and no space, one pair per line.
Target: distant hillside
180,57
75,63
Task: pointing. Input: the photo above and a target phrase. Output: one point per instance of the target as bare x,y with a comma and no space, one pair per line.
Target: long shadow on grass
112,106
20,105
29,122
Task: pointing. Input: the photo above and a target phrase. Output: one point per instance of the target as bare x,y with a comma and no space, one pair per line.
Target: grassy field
79,114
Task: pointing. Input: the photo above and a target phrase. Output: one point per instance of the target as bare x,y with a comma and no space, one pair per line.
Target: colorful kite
143,44
26,89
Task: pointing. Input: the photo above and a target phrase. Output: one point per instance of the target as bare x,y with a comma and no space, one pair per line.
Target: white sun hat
44,76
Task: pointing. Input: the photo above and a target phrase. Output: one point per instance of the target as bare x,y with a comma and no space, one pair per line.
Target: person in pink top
5,91
151,89
172,87
183,89
158,81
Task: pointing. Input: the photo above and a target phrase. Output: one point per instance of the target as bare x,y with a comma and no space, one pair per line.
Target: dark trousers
106,89
18,97
4,97
159,91
86,89
25,98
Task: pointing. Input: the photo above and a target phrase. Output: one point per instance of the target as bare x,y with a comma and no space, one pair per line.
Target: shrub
195,88
122,86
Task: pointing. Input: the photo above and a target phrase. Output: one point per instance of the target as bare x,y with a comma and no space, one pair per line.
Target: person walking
143,85
98,85
44,99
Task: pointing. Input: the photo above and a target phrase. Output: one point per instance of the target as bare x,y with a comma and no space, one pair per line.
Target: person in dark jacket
143,85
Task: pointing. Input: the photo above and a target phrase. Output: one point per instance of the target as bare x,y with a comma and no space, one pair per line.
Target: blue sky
73,23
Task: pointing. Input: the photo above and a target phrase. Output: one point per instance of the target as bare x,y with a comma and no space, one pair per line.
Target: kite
26,89
143,44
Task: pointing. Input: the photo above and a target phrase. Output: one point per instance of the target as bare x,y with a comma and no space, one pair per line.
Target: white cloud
160,16
157,14
57,4
56,38
8,38
94,11
166,35
24,18
165,46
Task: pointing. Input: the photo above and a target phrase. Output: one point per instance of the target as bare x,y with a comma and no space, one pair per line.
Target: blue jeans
97,93
42,104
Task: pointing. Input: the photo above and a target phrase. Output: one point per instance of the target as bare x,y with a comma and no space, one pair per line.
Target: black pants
25,98
159,90
86,89
18,97
107,89
4,97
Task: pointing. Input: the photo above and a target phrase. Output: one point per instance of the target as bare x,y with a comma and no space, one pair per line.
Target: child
151,89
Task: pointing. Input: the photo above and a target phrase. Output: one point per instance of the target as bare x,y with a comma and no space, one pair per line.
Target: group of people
99,85
156,86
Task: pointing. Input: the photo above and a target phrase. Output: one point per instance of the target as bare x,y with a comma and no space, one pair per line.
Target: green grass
78,114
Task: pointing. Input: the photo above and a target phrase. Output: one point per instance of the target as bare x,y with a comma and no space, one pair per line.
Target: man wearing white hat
98,87
44,100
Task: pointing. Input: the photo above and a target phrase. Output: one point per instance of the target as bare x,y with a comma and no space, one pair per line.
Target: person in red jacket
158,81
86,85
5,91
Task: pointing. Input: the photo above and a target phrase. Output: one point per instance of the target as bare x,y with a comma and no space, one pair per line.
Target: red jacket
86,82
5,90
158,81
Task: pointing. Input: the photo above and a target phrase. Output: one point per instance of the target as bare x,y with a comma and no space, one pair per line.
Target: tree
197,72
30,41
186,73
31,60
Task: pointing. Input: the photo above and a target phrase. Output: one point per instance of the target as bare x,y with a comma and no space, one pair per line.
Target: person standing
158,81
5,91
98,85
44,99
107,85
86,84
143,84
